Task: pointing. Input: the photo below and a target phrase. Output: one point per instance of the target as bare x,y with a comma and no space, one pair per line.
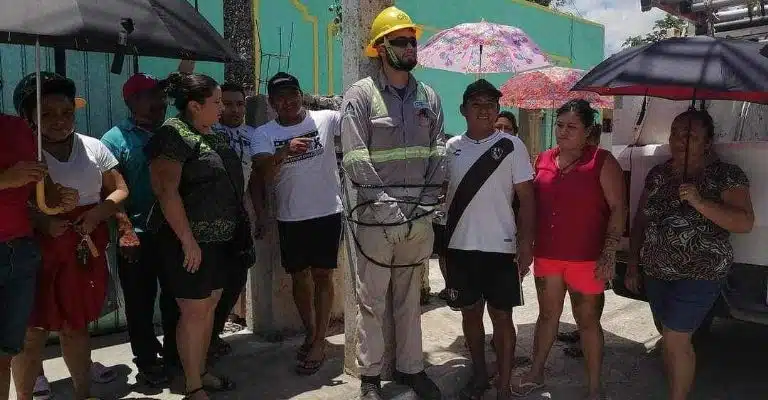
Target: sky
621,18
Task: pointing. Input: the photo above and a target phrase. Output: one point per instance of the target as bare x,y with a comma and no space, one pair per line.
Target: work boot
420,383
370,388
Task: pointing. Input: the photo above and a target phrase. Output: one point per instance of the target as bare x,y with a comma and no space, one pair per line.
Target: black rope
348,216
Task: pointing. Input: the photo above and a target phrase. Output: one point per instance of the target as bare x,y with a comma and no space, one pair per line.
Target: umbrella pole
688,138
38,93
480,69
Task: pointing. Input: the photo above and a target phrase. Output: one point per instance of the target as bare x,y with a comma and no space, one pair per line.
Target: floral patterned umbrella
548,88
482,48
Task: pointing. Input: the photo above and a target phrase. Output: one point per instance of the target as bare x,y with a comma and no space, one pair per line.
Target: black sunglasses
403,41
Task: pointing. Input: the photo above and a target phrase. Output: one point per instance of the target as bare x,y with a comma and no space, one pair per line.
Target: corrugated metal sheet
91,74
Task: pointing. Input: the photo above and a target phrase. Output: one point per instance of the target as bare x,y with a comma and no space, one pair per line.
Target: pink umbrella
482,48
548,88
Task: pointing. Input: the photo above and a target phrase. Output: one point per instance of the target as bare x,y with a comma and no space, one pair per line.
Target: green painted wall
315,56
90,71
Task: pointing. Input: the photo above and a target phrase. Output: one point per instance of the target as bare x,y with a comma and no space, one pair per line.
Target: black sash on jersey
473,180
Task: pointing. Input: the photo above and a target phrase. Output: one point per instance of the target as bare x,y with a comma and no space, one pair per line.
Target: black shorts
217,260
441,242
310,243
473,276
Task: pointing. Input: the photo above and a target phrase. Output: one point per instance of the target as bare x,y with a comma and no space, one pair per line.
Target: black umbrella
155,28
158,28
687,68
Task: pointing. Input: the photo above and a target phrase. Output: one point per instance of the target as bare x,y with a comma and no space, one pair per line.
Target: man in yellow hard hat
393,143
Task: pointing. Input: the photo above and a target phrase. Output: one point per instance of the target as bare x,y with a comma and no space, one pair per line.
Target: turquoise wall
90,71
315,55
296,37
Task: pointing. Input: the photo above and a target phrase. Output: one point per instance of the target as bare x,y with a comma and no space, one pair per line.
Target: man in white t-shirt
296,152
485,169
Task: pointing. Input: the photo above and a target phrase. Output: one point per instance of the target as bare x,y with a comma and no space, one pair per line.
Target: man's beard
398,63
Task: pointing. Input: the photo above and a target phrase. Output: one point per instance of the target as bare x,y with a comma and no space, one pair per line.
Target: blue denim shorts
681,305
19,264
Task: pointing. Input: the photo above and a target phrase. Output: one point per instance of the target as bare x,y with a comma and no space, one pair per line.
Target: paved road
732,363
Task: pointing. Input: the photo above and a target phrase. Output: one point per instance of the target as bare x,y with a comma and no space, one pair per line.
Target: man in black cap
488,255
296,152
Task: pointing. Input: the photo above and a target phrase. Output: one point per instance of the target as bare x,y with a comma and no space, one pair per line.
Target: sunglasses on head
402,41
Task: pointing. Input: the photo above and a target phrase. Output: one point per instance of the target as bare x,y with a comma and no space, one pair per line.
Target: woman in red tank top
580,218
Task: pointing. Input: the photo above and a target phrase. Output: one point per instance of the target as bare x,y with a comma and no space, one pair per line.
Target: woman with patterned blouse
198,181
680,236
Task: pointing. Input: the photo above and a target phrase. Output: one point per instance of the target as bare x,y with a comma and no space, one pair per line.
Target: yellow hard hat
388,21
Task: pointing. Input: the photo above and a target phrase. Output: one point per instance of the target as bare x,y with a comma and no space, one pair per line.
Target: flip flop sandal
569,337
301,354
42,390
524,389
309,367
475,390
573,352
189,395
224,385
101,374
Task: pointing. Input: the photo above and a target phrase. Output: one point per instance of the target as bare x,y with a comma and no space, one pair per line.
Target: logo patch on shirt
497,153
419,104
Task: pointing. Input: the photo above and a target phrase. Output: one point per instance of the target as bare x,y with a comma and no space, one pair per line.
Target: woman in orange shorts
580,218
72,284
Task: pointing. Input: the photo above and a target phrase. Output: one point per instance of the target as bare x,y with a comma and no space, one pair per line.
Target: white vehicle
741,139
640,141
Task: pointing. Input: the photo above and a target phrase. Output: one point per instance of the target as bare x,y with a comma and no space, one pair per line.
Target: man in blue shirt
137,257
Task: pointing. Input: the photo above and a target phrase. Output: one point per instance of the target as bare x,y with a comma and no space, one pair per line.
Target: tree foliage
547,3
658,33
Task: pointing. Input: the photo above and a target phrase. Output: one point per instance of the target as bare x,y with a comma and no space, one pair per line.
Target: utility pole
357,17
239,31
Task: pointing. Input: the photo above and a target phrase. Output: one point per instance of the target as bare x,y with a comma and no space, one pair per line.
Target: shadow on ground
731,362
260,371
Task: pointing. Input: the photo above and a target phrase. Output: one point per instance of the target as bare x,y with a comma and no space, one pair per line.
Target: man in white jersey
485,169
296,152
241,138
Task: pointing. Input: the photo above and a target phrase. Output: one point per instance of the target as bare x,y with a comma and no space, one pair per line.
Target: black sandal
303,351
309,367
475,390
225,384
189,395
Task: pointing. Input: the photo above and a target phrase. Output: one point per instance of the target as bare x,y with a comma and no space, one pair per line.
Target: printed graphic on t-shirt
314,148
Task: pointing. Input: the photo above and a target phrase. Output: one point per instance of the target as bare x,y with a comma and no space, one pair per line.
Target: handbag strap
232,184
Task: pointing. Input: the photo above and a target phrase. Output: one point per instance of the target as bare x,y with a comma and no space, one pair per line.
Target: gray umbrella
156,28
